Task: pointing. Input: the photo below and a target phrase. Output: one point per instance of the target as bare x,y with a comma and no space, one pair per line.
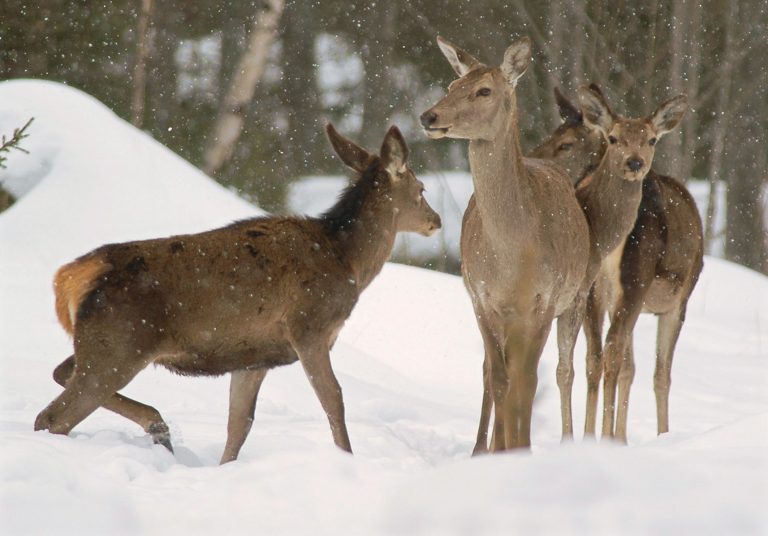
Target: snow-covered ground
408,361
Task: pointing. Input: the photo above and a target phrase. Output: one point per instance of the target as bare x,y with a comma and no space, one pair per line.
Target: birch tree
229,125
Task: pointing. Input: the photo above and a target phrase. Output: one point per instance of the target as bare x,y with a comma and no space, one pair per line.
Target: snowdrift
409,361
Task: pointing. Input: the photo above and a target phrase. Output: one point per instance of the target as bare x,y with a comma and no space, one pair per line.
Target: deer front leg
481,442
243,391
316,361
593,330
626,375
492,353
522,351
617,342
567,330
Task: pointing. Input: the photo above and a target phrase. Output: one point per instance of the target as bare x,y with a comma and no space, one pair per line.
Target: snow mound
409,361
91,178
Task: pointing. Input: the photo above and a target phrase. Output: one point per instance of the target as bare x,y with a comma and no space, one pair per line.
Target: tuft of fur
71,285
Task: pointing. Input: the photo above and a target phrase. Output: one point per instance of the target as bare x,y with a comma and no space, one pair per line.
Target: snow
409,363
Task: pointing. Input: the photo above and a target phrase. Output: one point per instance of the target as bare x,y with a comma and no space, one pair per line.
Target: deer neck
500,179
367,241
610,203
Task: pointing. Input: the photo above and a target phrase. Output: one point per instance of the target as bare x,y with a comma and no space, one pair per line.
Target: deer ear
516,60
596,112
462,62
669,114
350,153
394,151
568,112
597,89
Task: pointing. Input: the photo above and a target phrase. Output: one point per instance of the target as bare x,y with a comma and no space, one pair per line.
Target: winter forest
508,310
276,71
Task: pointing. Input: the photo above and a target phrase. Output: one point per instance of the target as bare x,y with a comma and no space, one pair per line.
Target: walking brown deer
245,298
524,243
655,271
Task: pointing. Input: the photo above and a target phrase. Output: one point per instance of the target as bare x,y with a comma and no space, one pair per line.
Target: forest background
242,89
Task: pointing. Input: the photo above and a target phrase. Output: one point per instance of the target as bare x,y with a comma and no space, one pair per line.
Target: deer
654,271
524,244
242,299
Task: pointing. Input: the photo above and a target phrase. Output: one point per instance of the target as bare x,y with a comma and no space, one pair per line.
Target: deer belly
214,362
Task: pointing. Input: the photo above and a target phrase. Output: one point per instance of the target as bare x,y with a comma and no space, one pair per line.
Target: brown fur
524,244
244,298
659,266
72,283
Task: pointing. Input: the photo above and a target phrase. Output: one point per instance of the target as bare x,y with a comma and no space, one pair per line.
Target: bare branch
7,144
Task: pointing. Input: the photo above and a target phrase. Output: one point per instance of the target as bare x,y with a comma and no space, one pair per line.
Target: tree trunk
140,67
229,124
691,122
377,54
671,156
720,125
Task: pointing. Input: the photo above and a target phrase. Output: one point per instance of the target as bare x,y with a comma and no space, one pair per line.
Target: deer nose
427,118
634,164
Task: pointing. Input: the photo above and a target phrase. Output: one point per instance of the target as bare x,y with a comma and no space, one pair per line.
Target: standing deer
245,298
524,243
658,268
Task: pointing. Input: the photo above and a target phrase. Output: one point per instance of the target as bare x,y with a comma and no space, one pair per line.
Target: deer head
573,145
630,142
482,98
395,180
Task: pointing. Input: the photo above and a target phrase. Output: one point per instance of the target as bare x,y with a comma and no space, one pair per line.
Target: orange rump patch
72,283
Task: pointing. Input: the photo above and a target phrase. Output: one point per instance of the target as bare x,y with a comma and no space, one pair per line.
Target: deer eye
483,92
564,146
652,142
612,140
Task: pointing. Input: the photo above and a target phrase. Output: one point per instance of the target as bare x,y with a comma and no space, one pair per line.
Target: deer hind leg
492,353
243,390
145,416
666,338
626,375
593,330
89,386
567,330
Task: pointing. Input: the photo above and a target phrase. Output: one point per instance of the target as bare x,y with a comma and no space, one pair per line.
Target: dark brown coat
245,298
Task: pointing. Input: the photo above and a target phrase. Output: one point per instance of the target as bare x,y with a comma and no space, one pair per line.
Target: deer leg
666,338
317,364
499,389
492,352
593,330
617,341
481,442
626,375
87,390
522,350
243,390
567,330
145,416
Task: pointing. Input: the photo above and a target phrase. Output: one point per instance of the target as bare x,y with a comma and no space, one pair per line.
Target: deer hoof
43,421
161,435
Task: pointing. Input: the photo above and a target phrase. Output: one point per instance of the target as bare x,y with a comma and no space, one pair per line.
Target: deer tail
72,283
